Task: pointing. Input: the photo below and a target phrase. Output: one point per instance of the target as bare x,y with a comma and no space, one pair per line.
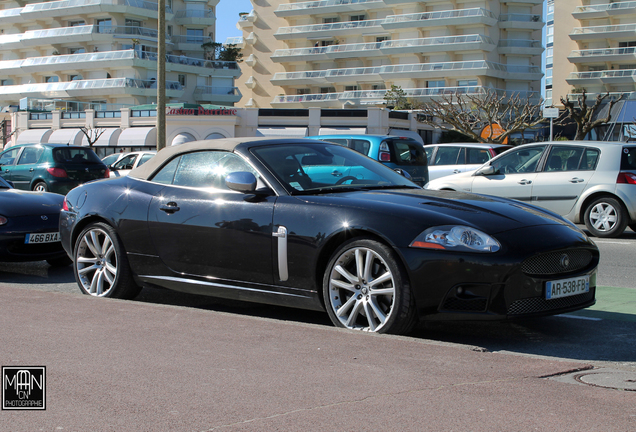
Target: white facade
346,53
99,53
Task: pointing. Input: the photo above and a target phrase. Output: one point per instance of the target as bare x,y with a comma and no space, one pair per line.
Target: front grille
552,262
467,305
538,304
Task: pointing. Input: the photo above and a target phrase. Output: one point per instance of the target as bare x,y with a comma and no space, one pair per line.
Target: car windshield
317,168
75,155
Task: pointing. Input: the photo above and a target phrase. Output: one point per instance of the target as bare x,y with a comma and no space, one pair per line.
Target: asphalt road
603,334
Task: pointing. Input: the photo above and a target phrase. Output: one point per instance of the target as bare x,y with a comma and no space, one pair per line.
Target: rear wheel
40,187
101,266
605,217
365,288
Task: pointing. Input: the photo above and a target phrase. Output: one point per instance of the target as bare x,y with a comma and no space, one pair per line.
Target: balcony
247,20
111,87
64,8
201,18
523,2
190,43
605,10
326,7
438,44
300,54
238,41
584,78
371,49
601,55
11,16
623,31
520,46
217,94
521,22
440,19
315,31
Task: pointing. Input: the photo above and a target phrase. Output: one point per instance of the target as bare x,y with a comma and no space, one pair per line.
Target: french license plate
567,287
42,238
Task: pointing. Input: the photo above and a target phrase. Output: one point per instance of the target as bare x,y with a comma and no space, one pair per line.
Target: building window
182,80
104,25
357,18
327,90
330,20
51,79
169,31
6,82
626,44
76,50
352,88
378,87
437,83
75,23
98,105
194,36
466,83
302,91
75,77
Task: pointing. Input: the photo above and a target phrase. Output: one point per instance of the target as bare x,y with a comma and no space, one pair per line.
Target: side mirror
241,181
486,171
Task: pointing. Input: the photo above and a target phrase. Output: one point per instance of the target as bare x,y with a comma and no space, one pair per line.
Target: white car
586,181
129,161
454,158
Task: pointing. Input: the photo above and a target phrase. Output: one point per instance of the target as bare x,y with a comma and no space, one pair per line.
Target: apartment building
346,53
594,47
103,53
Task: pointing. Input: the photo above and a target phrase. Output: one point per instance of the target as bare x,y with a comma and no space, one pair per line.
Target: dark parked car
50,167
29,223
399,153
242,219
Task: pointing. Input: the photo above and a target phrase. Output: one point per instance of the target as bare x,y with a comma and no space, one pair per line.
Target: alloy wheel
96,262
603,217
361,289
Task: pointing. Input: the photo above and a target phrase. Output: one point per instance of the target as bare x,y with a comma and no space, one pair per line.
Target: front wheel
605,217
101,266
365,288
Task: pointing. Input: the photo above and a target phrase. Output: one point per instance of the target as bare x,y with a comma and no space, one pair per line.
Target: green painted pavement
612,303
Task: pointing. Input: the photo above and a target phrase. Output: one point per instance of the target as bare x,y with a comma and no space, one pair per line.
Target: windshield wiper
350,188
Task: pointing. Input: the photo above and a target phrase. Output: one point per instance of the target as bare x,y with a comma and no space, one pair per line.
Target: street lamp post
161,75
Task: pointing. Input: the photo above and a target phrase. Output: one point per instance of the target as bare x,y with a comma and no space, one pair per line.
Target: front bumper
507,284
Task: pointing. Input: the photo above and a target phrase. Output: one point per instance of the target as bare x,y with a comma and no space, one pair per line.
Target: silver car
586,181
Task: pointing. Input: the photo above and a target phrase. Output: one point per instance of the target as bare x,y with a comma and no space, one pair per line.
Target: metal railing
345,25
520,17
603,52
209,13
192,39
66,4
321,4
216,90
7,13
519,43
438,40
88,84
605,7
441,15
603,29
619,73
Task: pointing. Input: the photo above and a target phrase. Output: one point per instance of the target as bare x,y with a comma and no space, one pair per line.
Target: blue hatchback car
393,151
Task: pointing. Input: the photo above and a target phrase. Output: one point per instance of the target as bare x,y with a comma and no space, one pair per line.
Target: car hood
16,202
488,213
464,179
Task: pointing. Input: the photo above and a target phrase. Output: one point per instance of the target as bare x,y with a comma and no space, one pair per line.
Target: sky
227,15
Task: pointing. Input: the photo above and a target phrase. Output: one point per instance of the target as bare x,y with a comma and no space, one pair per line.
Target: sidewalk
128,366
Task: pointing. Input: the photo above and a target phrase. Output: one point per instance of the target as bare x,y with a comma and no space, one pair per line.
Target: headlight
3,220
456,238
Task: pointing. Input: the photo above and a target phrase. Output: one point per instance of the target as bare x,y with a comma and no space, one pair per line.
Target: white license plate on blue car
567,287
42,238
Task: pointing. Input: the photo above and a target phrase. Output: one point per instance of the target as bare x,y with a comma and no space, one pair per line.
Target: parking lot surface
124,365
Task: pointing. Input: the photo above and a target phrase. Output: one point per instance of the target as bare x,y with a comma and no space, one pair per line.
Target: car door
564,177
25,168
202,228
8,160
514,174
445,161
123,166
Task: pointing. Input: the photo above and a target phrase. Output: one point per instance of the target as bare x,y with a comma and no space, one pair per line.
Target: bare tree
583,115
92,134
470,114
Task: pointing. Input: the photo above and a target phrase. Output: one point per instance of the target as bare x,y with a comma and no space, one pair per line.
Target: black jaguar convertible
314,225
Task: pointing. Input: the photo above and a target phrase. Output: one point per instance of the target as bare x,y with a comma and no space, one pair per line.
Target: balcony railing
442,15
234,41
330,27
606,7
216,90
520,18
519,43
108,83
8,13
602,52
311,6
67,4
597,30
195,14
435,41
191,39
619,73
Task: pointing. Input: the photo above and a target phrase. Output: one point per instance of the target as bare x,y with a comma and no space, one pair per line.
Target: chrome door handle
170,207
31,170
336,174
524,182
576,180
456,171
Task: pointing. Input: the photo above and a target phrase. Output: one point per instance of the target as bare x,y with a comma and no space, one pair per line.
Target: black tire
605,217
40,187
390,303
60,262
101,267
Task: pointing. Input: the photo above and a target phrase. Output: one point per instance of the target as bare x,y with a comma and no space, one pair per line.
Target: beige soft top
228,144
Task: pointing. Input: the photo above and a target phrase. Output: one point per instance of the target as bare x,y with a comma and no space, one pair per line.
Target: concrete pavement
124,365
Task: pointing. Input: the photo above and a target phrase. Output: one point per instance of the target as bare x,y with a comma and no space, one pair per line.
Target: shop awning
138,136
106,139
181,138
34,136
67,136
342,131
287,132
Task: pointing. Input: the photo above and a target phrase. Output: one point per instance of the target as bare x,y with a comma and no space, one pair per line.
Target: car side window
126,163
447,155
628,159
477,156
519,161
204,169
429,153
564,158
8,157
166,174
590,159
361,146
339,141
145,158
30,155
